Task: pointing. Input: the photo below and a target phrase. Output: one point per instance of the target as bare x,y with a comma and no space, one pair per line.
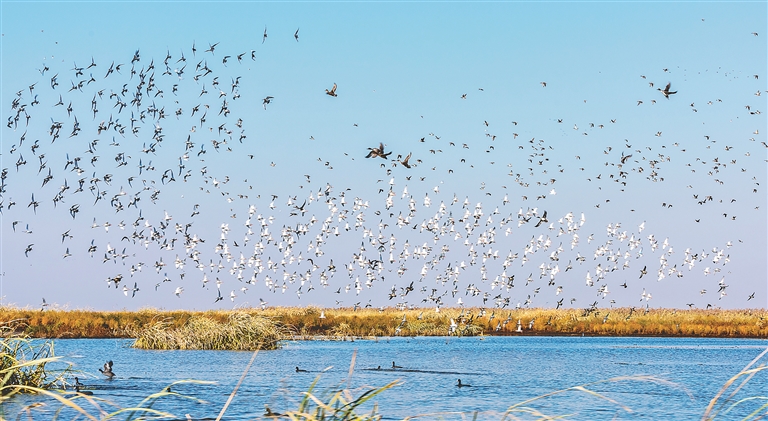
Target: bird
460,384
264,38
666,92
395,366
107,370
79,386
405,161
266,101
296,35
378,152
332,92
299,370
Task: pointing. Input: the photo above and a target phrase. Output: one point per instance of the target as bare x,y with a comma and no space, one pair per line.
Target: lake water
501,370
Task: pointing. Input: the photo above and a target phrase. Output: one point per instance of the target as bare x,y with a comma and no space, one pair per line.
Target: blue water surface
502,371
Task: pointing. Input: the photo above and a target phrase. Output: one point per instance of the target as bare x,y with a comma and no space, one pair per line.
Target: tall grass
347,322
23,364
339,404
241,332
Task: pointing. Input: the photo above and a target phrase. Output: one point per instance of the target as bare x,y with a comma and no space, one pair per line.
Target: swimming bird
395,366
460,384
298,370
79,385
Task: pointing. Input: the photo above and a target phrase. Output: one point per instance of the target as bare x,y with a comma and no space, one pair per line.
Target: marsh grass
23,364
345,323
75,405
723,402
241,331
335,404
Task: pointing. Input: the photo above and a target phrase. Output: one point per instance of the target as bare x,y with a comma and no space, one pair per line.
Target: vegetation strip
314,322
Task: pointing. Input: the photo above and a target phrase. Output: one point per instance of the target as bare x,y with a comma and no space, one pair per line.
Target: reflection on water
502,371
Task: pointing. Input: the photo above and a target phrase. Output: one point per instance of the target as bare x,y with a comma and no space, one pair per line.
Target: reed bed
23,364
240,332
341,323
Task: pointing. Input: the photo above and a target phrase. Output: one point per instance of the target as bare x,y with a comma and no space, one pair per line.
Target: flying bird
332,92
266,101
666,92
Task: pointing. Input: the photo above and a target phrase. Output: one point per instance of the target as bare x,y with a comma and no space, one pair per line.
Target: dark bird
266,101
460,384
374,152
298,370
332,92
79,385
405,161
296,35
666,92
107,370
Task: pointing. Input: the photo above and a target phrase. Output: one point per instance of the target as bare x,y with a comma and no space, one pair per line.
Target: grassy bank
310,322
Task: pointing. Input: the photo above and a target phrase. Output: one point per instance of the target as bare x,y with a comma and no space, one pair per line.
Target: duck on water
107,370
460,384
79,385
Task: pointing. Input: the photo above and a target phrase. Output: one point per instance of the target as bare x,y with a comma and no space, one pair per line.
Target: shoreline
344,323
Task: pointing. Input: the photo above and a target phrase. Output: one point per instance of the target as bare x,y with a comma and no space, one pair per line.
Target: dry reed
240,332
348,322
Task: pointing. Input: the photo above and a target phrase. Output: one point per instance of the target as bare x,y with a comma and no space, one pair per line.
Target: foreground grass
346,322
23,363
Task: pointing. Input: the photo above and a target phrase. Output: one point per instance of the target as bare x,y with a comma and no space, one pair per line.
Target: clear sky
547,166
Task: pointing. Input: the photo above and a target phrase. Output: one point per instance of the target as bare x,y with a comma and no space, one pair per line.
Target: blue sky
465,77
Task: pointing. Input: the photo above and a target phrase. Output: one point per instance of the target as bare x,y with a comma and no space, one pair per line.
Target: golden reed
309,322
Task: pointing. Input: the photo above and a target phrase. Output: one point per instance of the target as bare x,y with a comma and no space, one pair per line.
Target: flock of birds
93,140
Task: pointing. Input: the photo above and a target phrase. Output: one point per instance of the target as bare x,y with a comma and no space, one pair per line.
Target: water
502,371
